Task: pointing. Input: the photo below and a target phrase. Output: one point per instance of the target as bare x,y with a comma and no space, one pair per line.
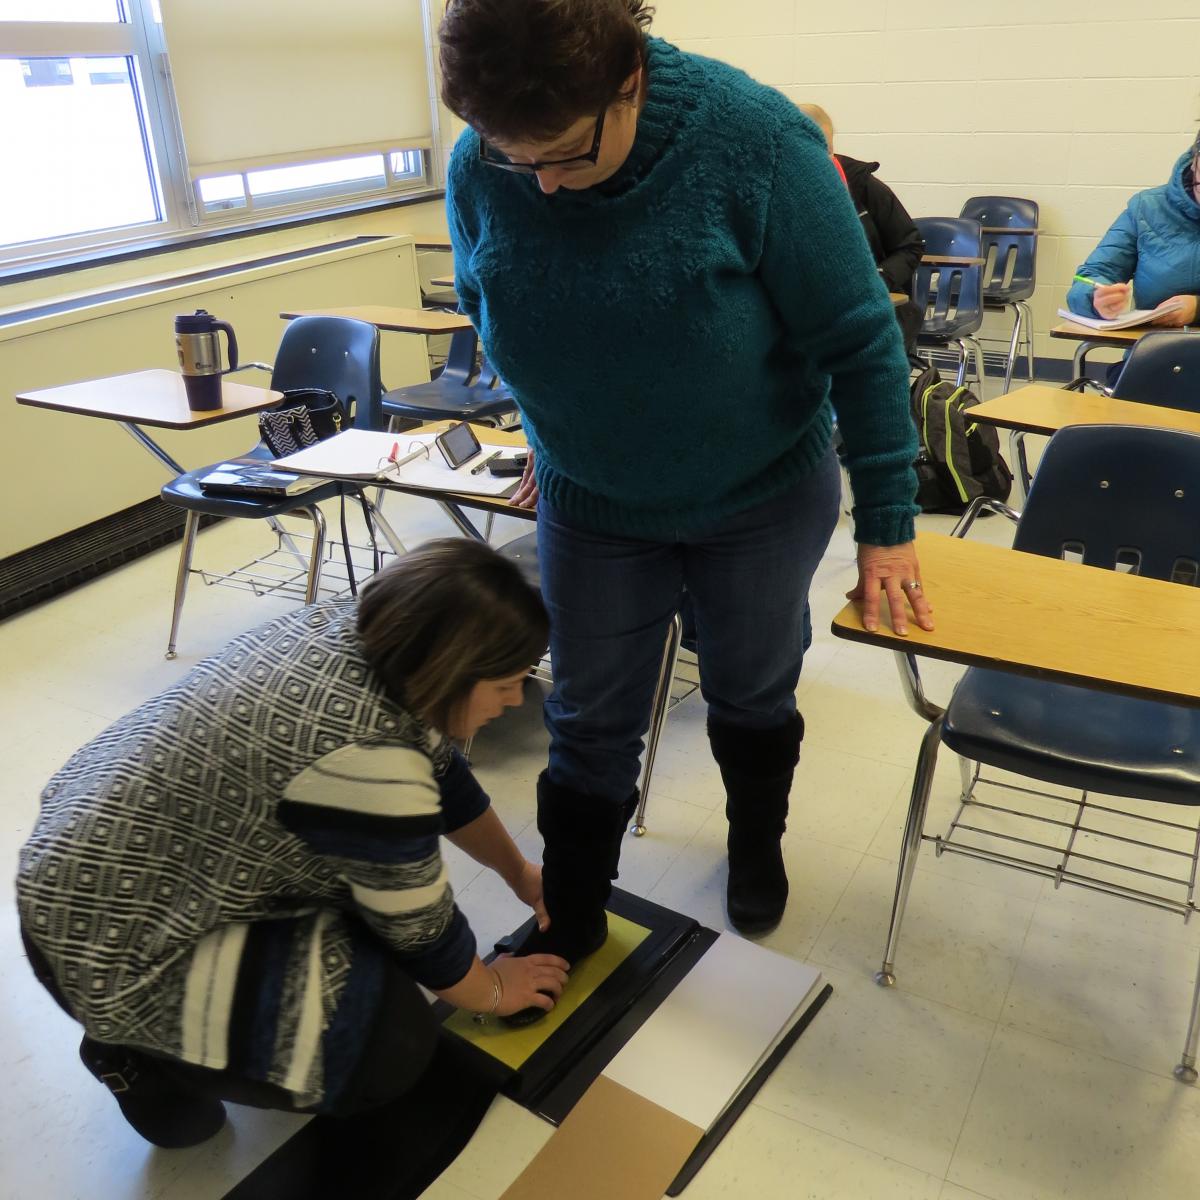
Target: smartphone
458,445
501,467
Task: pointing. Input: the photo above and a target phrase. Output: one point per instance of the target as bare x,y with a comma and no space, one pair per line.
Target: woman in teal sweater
666,269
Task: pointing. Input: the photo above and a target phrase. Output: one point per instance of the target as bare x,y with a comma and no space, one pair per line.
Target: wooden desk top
1105,337
953,260
897,299
442,281
394,320
154,398
1050,619
431,241
1039,408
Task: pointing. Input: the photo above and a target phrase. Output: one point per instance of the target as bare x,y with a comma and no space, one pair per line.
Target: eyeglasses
493,158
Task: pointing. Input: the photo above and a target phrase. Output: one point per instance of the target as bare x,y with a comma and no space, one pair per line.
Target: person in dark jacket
894,239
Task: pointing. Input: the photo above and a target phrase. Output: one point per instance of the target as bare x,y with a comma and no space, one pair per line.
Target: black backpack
957,459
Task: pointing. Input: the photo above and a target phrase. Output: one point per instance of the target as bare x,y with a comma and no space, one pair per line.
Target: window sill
21,273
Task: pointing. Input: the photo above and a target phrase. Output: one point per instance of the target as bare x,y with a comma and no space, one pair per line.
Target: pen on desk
481,467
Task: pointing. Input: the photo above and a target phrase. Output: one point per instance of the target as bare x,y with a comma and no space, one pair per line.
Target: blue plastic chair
1010,260
1162,368
1121,498
459,393
314,352
950,296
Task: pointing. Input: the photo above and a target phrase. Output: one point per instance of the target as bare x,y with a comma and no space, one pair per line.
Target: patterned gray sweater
277,783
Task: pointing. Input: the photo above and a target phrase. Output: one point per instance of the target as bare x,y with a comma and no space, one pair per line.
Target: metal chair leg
1013,344
1020,464
960,378
968,772
1186,1071
190,527
1027,315
389,533
318,550
977,353
917,806
658,716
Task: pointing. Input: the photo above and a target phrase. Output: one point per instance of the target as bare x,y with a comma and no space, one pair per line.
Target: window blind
275,81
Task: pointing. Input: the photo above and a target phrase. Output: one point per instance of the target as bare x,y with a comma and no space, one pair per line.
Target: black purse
305,417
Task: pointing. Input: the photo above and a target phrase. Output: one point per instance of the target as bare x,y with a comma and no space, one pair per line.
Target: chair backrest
951,296
460,358
338,354
997,211
1120,497
1162,368
1010,258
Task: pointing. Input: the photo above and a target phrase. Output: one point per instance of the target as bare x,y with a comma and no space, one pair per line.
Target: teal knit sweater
678,337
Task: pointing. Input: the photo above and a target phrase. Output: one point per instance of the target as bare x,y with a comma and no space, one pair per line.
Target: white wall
78,469
1074,105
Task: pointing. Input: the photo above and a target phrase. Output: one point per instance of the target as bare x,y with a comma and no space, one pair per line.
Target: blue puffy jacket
1155,242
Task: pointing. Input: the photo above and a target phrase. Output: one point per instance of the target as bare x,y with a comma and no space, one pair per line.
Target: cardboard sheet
614,1145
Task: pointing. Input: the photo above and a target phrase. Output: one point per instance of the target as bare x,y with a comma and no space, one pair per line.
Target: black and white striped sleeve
373,810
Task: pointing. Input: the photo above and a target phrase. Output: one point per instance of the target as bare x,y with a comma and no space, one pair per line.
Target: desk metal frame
1029,848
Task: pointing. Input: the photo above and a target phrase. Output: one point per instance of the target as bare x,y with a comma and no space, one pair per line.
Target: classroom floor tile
1026,1052
1047,1120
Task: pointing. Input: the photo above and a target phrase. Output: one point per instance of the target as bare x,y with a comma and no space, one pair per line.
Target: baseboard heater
51,568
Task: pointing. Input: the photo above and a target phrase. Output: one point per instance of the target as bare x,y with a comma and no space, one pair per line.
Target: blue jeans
611,599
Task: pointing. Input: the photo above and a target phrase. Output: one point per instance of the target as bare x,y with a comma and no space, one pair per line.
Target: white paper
1128,320
706,1039
359,453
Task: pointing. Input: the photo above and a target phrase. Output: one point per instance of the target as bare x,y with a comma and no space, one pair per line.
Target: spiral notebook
363,454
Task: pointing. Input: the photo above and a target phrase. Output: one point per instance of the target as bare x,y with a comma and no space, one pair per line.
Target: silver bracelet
480,1018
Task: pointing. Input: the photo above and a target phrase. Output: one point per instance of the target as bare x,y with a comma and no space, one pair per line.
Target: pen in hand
481,467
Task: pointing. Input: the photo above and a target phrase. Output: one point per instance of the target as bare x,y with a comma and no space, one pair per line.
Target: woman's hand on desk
1184,316
1111,299
526,495
894,572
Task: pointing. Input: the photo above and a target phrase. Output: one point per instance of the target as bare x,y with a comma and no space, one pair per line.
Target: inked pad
514,1047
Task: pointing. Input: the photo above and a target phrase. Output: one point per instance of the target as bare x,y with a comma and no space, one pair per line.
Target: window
112,131
274,186
79,144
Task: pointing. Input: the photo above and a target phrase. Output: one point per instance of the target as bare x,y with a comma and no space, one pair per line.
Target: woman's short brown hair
445,616
526,70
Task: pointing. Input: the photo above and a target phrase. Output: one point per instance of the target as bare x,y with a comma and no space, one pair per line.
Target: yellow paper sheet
514,1046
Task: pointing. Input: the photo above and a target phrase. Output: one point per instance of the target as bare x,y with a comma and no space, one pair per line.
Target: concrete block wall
1076,106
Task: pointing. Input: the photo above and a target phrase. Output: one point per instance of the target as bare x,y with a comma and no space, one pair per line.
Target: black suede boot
756,767
582,836
161,1109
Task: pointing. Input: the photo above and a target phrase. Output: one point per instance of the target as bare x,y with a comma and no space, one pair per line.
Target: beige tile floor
1026,1052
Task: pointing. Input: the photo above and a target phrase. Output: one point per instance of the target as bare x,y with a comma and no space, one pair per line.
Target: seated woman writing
1150,255
237,888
